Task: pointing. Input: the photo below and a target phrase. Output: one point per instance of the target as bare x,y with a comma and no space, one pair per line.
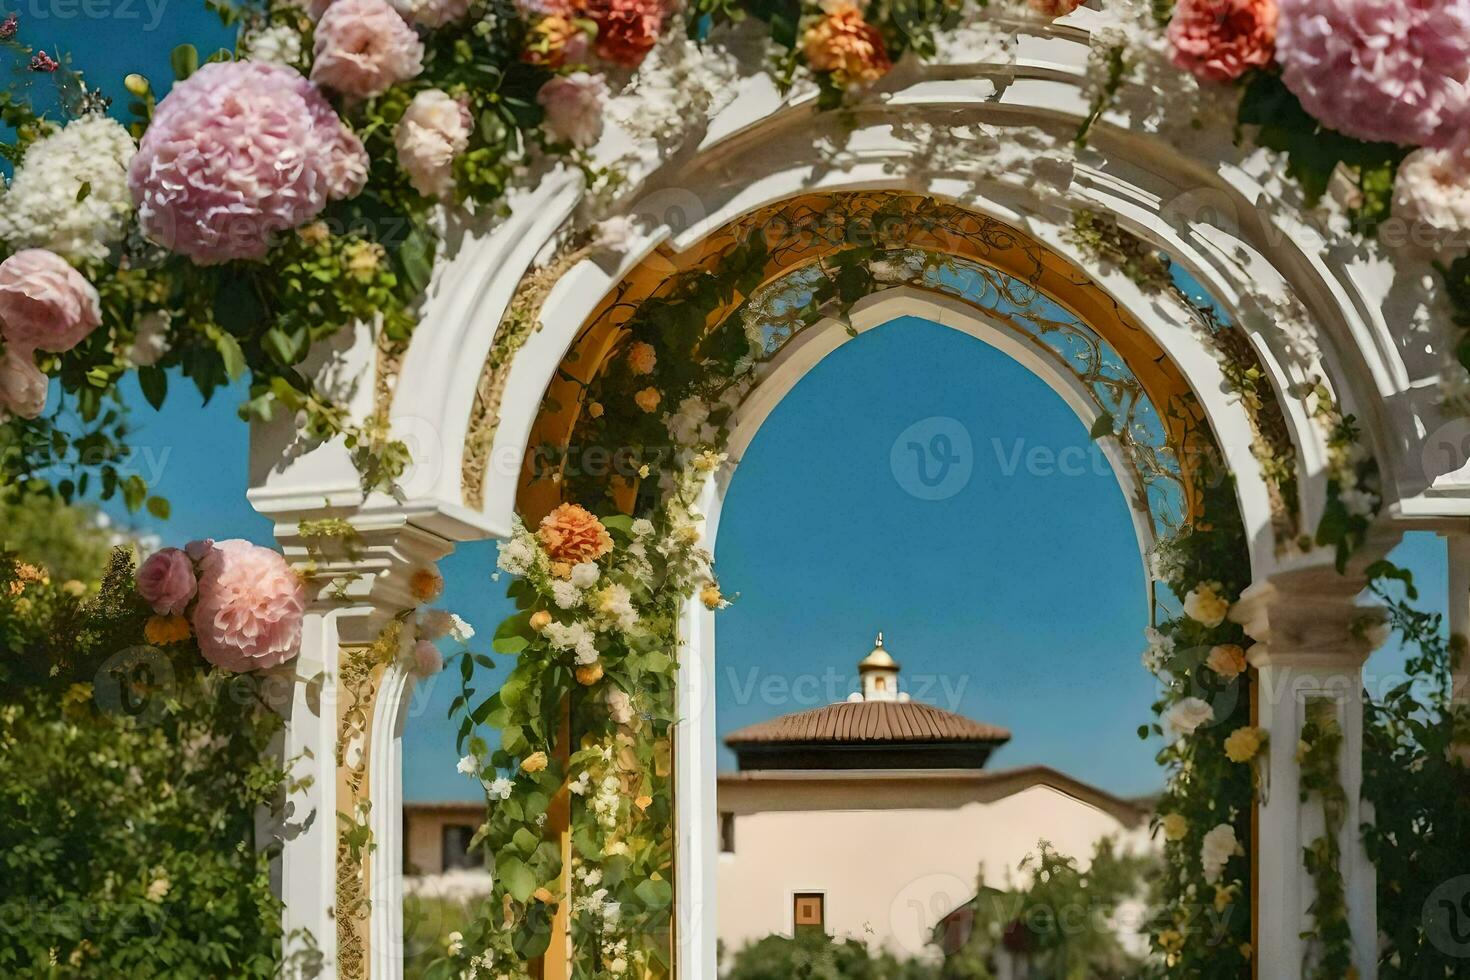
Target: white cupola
879,673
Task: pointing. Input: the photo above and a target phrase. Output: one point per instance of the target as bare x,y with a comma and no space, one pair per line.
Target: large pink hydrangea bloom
236,153
250,607
45,304
1390,70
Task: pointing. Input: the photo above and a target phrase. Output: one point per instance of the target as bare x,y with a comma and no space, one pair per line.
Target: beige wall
423,833
894,856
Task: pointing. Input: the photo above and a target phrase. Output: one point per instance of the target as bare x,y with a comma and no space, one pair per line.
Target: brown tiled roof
869,721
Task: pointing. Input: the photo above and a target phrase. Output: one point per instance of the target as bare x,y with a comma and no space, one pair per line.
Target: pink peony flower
1433,187
363,47
574,108
427,659
166,582
1220,40
45,304
626,29
1391,70
434,130
236,153
22,386
433,13
250,607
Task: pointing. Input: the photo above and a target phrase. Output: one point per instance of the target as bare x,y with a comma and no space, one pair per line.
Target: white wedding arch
988,127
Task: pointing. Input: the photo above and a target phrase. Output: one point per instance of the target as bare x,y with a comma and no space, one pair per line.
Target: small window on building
880,683
455,843
809,913
727,833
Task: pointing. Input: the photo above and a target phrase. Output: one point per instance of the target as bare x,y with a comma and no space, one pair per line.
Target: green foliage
818,957
1416,779
130,780
1059,918
1330,936
69,542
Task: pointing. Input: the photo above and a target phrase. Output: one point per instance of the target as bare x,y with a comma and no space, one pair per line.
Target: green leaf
153,380
516,877
229,351
158,507
1103,427
654,894
84,191
184,61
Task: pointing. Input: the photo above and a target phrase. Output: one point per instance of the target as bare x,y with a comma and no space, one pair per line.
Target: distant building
867,819
871,818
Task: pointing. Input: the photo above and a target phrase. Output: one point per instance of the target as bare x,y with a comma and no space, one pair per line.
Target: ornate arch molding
1311,306
1178,366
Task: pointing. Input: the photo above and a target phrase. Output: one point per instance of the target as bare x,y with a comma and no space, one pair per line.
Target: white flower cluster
276,44
1160,649
679,86
575,637
1218,847
606,801
518,553
70,193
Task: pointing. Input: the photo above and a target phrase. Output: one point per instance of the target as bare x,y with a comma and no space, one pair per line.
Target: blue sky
1017,600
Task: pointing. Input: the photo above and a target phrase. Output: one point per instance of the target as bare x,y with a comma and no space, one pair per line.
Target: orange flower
643,802
25,575
642,358
426,584
163,630
648,399
554,40
589,674
571,534
1227,660
847,46
540,619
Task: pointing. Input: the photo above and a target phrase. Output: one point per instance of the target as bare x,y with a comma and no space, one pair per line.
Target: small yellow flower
1176,827
643,802
711,597
1172,940
1244,743
426,584
74,588
1224,896
648,399
709,461
1227,660
1302,748
1205,604
616,848
589,674
163,630
561,570
315,233
543,895
364,259
643,471
1245,950
540,620
535,762
595,409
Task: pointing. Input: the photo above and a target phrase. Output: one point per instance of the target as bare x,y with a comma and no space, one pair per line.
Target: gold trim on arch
807,229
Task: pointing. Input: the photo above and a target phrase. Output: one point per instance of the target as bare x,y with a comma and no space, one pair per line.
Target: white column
1306,649
696,807
357,587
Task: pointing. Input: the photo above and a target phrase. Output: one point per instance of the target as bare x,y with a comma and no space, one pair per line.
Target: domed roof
879,659
856,722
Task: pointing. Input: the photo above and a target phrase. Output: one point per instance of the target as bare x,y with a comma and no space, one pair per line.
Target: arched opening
790,324
1010,597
